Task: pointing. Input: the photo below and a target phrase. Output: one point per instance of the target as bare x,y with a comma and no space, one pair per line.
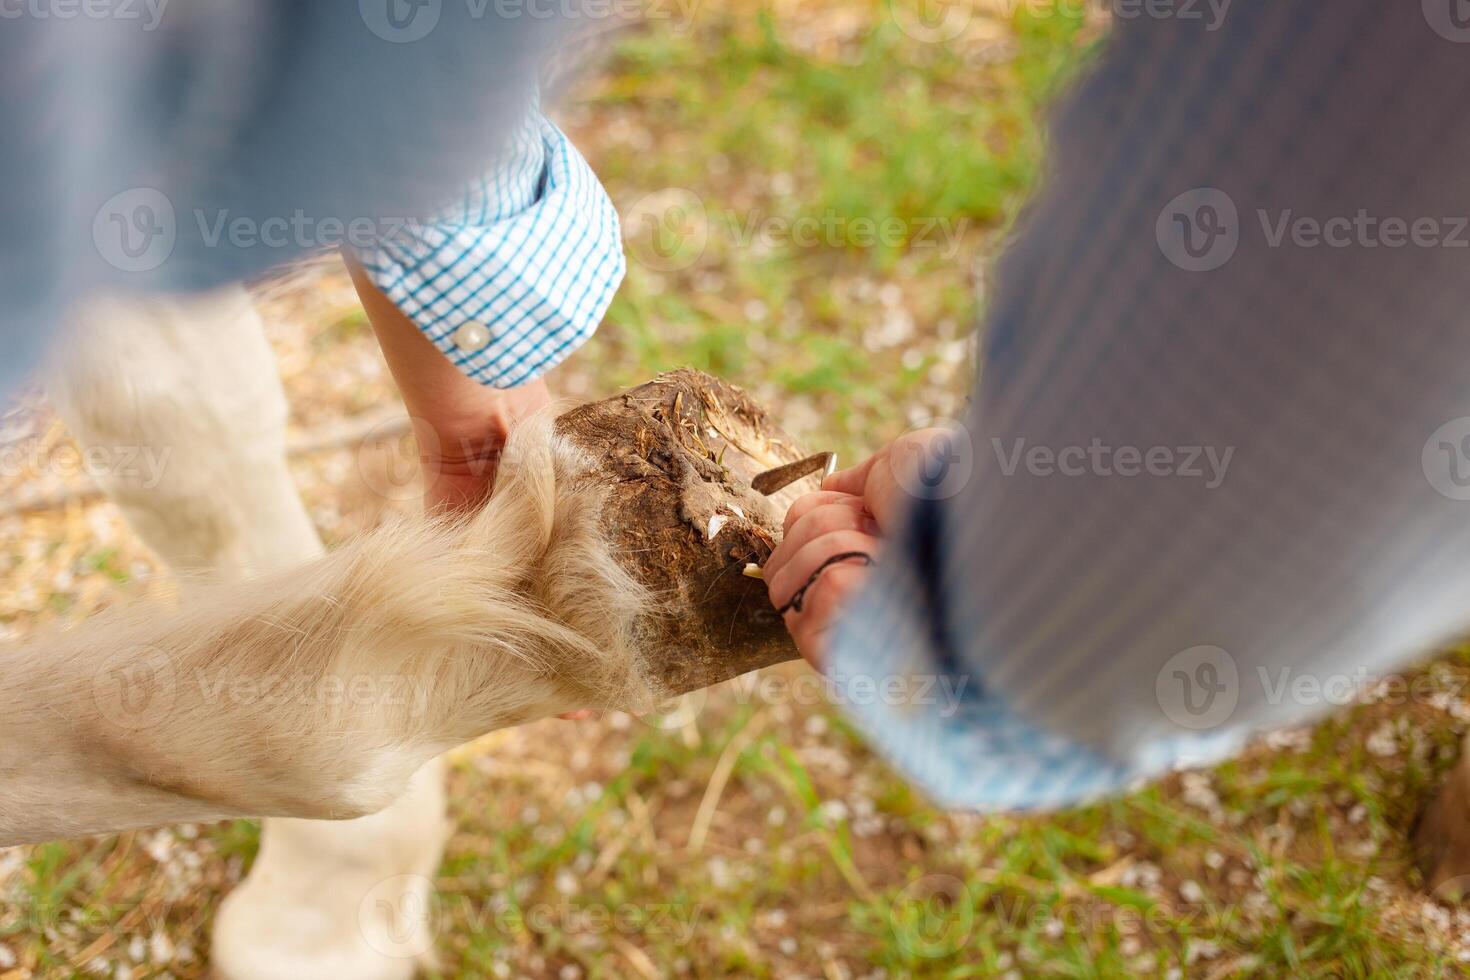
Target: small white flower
1384,741
833,811
160,948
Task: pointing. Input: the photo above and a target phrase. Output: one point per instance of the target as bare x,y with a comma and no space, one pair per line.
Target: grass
754,835
799,166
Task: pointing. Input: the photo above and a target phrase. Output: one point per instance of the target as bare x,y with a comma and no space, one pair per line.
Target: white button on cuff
471,337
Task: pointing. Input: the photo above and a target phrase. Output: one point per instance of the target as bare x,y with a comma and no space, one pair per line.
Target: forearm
473,311
460,424
433,388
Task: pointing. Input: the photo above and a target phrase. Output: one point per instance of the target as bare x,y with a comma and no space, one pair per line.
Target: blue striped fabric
533,253
1253,244
128,149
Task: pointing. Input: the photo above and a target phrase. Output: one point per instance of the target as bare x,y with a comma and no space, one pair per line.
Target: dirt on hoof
678,454
1442,838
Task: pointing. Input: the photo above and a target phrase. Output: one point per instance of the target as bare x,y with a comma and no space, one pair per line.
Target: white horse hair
247,697
507,616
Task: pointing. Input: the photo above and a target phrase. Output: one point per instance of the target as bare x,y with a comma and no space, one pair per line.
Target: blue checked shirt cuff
521,273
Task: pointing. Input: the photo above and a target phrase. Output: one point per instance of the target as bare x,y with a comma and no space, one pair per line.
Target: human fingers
822,609
820,498
844,514
807,560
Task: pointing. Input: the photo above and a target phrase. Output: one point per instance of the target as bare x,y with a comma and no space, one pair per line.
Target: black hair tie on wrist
795,604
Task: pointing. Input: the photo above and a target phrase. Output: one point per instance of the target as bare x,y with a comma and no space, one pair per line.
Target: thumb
896,475
854,479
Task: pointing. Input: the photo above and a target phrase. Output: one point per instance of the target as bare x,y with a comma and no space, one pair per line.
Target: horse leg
192,383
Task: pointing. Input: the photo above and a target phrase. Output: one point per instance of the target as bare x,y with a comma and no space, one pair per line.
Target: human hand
887,480
820,564
460,450
847,517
